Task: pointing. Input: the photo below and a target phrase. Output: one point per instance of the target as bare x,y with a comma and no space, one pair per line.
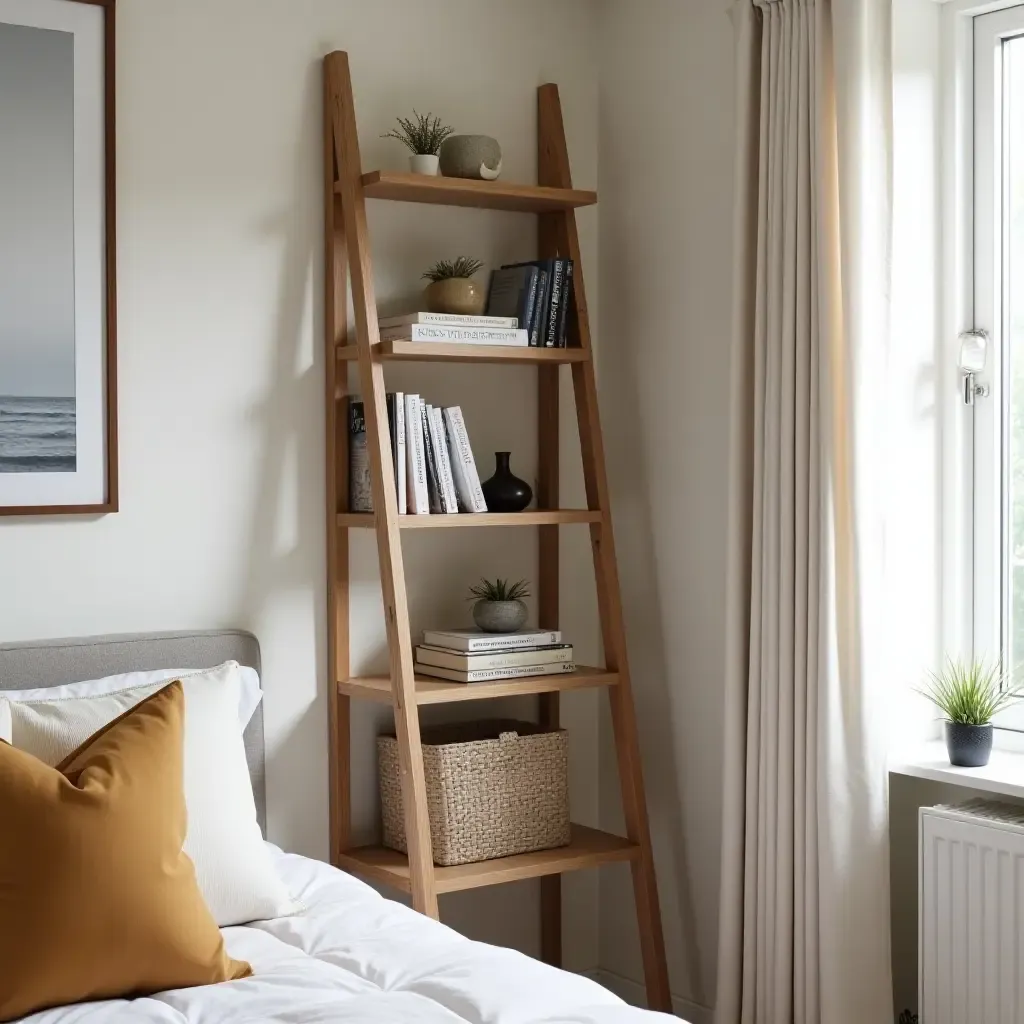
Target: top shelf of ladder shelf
487,195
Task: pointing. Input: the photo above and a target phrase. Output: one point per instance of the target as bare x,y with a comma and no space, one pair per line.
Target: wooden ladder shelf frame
347,260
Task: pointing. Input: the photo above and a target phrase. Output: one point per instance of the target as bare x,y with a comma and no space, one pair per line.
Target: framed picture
58,366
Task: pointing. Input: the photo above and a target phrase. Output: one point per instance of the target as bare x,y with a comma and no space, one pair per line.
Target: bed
350,955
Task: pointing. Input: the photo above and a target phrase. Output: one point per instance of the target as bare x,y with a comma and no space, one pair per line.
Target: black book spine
433,477
565,305
390,398
539,308
551,319
360,495
529,300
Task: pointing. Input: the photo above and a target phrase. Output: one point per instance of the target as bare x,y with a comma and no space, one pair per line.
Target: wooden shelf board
440,691
536,517
589,848
487,195
435,352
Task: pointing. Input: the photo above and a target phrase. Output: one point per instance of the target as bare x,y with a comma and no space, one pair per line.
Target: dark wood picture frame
110,504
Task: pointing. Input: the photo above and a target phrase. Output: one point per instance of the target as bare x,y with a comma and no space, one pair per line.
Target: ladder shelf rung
487,195
535,517
438,691
588,848
436,352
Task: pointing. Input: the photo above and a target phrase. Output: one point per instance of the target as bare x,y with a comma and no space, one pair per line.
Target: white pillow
251,694
233,864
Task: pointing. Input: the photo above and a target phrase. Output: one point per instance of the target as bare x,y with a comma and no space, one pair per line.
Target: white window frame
975,620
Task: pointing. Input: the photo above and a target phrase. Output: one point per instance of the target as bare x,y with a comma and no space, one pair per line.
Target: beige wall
220,285
666,150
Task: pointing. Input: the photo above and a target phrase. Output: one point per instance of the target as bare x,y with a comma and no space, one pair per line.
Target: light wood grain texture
589,848
548,560
555,158
433,352
389,547
336,494
488,195
440,691
111,499
477,520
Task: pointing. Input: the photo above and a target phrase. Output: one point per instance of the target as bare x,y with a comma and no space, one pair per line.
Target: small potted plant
969,695
451,289
423,134
499,605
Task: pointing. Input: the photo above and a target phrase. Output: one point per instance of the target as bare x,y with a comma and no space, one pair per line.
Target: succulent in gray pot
969,695
499,606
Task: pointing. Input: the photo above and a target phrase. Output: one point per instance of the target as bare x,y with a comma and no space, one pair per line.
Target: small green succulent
422,133
498,590
442,270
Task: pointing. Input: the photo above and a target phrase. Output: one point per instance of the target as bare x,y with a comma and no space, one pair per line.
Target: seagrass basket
494,788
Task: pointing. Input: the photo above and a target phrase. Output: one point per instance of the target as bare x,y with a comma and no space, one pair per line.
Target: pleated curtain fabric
804,932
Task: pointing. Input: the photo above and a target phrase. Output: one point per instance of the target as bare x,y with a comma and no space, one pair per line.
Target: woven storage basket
494,788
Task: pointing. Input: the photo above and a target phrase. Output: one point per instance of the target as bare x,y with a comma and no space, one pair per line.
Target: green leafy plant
906,1017
970,693
499,590
442,270
422,133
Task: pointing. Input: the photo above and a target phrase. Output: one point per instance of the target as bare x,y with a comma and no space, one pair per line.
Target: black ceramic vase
505,492
968,746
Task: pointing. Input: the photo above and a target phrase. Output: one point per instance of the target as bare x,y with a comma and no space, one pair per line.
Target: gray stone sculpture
471,156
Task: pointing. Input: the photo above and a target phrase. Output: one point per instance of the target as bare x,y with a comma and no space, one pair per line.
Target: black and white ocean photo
37,236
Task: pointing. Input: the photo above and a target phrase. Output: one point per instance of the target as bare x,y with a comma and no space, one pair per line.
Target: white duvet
353,956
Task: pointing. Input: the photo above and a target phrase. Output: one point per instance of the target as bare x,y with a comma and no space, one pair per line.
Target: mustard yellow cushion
97,900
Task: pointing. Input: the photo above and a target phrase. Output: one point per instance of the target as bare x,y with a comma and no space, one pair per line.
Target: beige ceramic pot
455,295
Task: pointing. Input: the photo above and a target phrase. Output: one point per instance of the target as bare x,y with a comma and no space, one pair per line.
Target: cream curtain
804,931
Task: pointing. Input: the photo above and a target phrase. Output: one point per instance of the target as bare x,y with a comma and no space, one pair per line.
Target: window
998,298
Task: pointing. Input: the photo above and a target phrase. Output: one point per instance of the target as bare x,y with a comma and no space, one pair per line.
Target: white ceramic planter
423,163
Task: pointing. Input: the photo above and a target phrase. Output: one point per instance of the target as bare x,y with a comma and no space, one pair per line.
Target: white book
447,320
513,337
416,458
467,480
473,662
478,640
444,463
400,455
487,674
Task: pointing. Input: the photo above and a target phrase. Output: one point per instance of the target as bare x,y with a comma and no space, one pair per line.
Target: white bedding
353,956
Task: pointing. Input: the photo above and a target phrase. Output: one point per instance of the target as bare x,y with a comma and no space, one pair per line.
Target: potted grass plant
451,288
969,695
498,606
423,134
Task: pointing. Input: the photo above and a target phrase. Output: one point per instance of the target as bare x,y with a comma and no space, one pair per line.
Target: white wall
220,286
666,150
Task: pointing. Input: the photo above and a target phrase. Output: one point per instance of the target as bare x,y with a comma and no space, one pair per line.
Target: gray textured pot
968,746
470,156
499,616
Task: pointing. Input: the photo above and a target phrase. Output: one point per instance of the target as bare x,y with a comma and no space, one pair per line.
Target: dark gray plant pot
499,616
968,746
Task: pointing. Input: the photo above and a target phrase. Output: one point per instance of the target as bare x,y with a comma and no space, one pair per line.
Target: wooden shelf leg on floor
335,389
554,166
547,600
389,545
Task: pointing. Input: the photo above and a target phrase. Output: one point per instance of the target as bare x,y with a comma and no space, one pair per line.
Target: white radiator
971,916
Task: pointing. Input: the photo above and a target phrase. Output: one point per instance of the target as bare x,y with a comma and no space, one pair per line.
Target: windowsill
1003,775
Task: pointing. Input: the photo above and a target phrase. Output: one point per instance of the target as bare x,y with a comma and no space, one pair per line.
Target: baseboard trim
633,993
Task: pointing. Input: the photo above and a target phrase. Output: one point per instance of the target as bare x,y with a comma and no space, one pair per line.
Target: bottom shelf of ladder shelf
589,848
437,691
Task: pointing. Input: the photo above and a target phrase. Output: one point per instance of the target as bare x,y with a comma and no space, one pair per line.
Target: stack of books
470,656
435,472
539,295
454,328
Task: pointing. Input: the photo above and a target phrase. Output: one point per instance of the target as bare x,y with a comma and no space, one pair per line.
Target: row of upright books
471,656
539,295
435,472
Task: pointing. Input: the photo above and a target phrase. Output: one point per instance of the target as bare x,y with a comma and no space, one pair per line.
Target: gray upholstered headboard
43,663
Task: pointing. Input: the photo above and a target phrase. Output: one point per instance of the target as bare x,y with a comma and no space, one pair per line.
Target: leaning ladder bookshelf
553,201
